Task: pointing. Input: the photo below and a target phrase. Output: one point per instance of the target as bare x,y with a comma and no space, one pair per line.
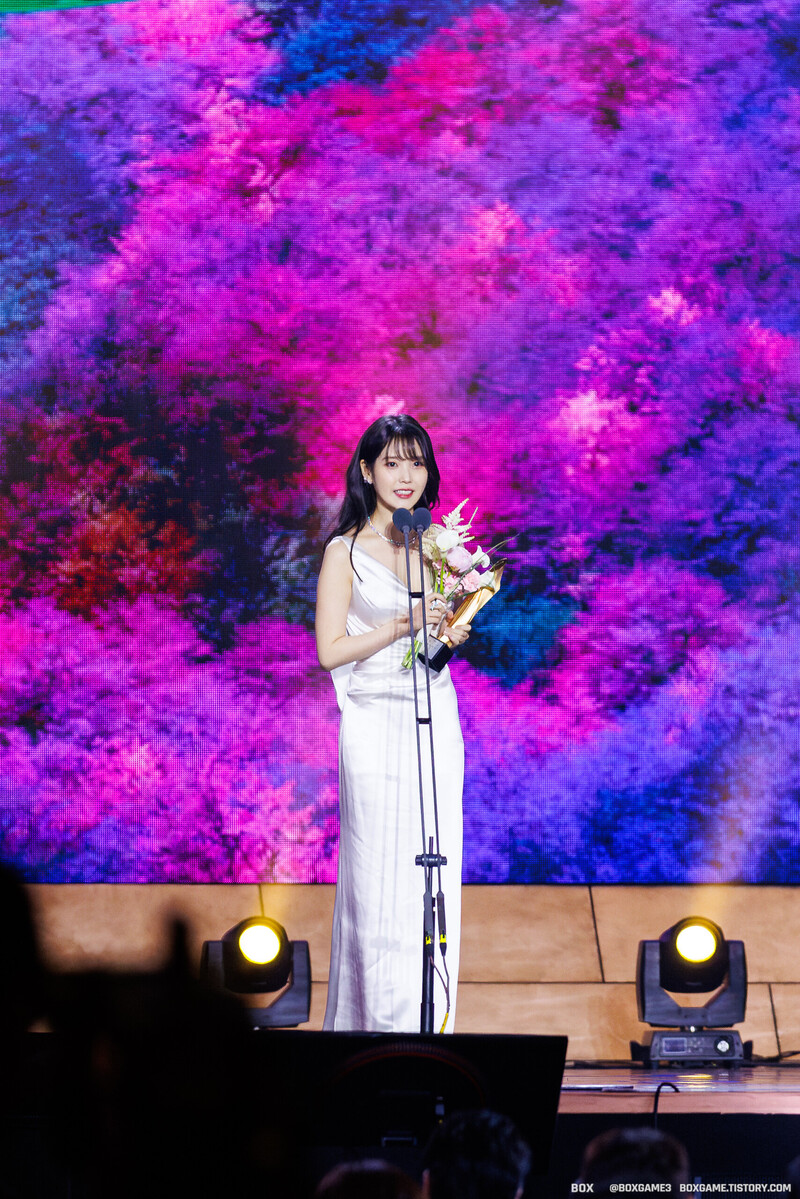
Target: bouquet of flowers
457,573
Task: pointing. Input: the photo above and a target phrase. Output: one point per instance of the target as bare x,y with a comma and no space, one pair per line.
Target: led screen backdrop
565,236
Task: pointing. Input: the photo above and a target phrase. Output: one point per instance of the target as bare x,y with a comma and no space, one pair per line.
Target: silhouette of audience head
793,1176
368,1179
22,998
161,1092
475,1155
634,1155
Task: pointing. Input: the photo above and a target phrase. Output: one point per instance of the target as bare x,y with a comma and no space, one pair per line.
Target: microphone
422,519
403,520
419,520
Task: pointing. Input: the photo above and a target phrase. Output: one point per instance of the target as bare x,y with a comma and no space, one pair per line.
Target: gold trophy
440,648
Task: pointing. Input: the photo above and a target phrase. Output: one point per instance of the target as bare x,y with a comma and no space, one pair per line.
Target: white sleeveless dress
375,980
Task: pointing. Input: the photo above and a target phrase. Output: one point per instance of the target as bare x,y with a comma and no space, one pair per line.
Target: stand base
439,654
703,1046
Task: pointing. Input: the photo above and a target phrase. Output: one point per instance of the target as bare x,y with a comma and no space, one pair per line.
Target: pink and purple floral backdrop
564,235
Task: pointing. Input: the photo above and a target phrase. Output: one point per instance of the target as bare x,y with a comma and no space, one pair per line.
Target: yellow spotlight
696,943
256,957
259,944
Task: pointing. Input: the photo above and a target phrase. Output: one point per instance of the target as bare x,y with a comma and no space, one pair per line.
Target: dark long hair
359,499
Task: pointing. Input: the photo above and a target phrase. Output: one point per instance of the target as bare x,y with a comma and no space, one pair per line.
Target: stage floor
623,1088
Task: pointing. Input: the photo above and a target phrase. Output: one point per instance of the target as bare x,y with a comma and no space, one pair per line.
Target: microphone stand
431,858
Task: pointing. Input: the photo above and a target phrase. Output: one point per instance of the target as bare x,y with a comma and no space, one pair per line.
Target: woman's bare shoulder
337,551
342,541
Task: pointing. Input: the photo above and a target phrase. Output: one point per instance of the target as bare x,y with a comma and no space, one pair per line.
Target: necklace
388,540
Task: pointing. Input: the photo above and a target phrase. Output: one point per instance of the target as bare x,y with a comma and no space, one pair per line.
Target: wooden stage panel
528,934
113,925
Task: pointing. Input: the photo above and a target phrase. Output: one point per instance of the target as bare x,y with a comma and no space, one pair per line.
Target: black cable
434,795
412,595
659,1089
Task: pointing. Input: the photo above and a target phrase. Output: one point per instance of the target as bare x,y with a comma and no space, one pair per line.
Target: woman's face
398,475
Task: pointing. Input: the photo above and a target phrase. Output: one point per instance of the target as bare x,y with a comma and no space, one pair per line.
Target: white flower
453,519
447,540
480,558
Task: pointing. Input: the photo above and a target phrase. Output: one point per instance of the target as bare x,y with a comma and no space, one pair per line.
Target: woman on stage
362,631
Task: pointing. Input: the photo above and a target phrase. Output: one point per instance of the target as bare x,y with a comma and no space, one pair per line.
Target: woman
362,637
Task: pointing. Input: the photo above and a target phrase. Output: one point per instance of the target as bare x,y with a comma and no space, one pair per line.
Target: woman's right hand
431,610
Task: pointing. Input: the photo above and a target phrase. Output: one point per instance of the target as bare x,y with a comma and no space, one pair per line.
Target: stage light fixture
690,958
256,958
693,956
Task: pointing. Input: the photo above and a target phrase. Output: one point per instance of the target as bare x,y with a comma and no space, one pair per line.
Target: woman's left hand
457,634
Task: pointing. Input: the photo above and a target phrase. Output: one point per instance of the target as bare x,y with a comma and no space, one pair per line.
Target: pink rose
459,558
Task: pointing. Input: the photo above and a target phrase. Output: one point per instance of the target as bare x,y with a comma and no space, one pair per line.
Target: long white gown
376,951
